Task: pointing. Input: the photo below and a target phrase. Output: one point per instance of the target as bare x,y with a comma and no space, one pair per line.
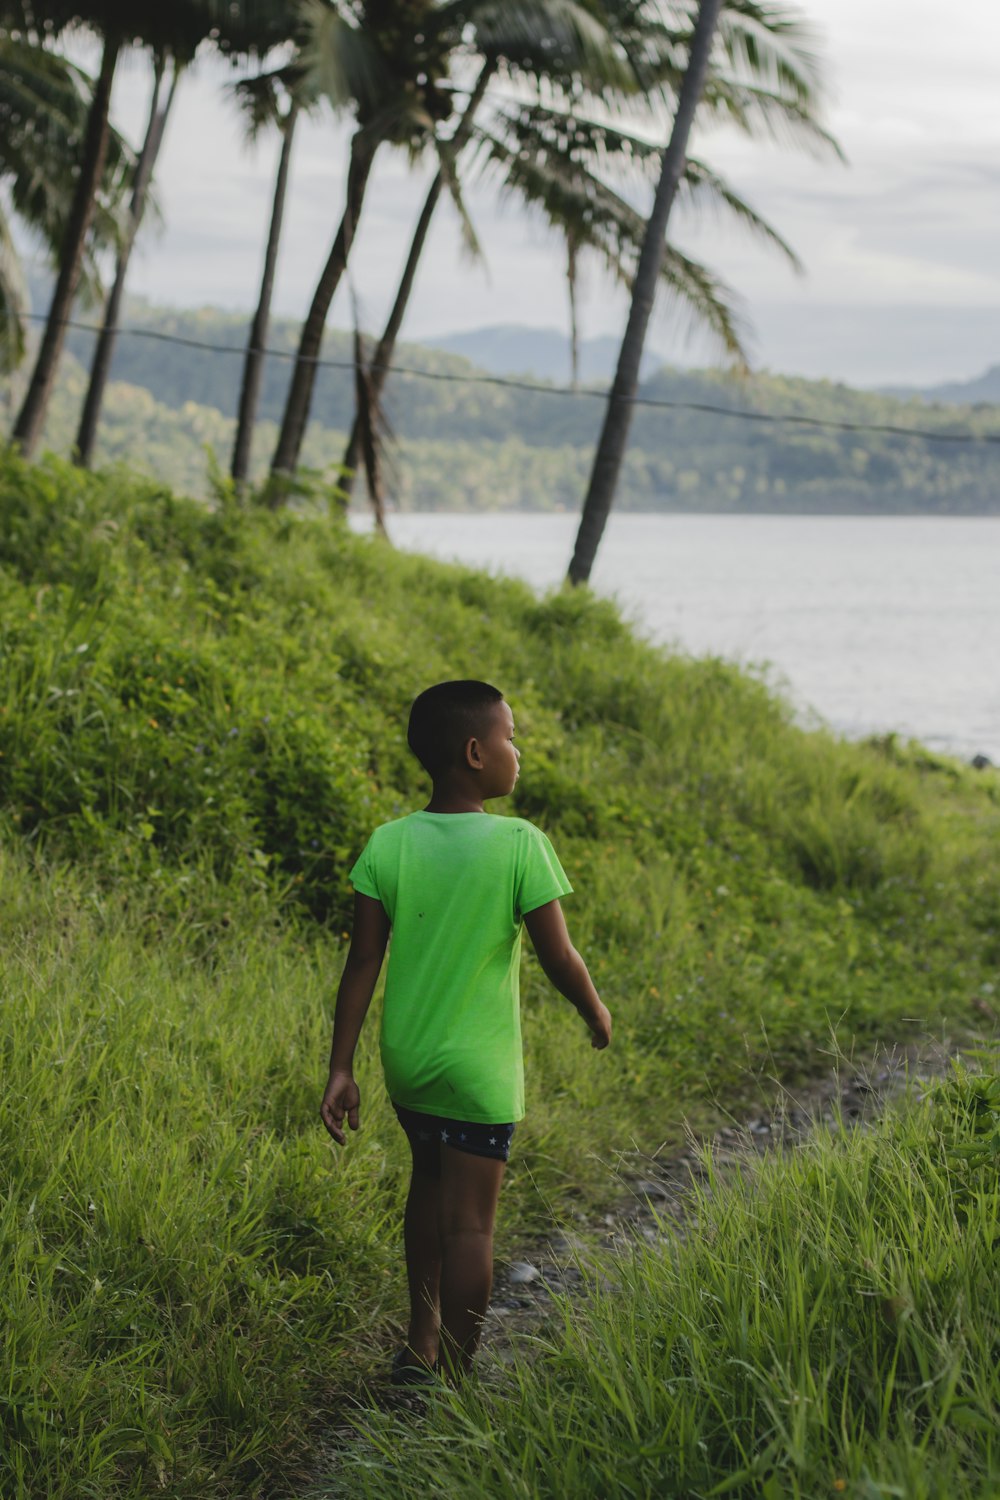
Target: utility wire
508,382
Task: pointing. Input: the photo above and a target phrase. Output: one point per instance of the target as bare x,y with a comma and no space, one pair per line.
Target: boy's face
498,756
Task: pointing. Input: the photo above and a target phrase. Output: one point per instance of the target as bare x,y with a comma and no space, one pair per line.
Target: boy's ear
473,756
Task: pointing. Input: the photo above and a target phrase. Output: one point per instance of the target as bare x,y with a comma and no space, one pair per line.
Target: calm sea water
870,623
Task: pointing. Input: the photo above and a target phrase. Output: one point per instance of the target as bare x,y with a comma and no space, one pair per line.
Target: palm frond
547,40
43,107
402,120
340,59
700,181
591,214
765,74
44,103
707,302
567,133
572,144
773,46
263,98
259,101
757,111
453,187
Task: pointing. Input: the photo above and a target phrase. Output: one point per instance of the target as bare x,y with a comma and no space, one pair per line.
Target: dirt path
653,1203
655,1191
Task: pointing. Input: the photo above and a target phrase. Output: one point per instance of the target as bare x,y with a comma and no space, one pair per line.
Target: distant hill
465,443
543,353
984,389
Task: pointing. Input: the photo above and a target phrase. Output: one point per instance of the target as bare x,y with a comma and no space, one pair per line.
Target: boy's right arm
566,969
357,985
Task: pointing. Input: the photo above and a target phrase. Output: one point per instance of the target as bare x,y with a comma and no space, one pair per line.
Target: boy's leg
422,1241
470,1187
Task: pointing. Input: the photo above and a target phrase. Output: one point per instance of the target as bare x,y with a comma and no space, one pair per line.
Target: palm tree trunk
381,361
253,365
28,427
100,367
368,424
572,282
293,424
618,414
378,368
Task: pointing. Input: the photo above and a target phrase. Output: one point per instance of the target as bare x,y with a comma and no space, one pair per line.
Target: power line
508,382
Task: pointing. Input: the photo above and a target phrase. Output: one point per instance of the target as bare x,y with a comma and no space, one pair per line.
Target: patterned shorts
428,1133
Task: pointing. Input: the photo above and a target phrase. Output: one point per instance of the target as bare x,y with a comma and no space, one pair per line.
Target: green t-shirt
455,887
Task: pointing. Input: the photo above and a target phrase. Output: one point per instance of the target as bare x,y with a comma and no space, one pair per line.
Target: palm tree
180,26
90,168
166,74
561,161
270,99
253,365
44,103
394,59
784,99
381,360
537,151
618,416
237,31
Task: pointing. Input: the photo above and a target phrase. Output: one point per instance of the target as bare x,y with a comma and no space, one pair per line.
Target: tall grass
201,718
829,1326
187,1271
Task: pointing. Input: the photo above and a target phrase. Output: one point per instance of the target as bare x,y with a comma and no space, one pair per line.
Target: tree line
462,445
559,104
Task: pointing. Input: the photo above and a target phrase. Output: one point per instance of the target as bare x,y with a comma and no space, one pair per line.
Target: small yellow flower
839,1485
153,724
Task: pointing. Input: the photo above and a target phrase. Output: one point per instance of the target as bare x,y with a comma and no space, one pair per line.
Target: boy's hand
600,1027
342,1097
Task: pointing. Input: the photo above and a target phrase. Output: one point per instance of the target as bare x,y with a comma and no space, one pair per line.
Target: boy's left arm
357,985
565,968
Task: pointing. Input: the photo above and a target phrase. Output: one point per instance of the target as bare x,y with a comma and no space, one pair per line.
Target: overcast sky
901,246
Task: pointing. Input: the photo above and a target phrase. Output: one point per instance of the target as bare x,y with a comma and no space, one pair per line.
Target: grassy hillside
201,719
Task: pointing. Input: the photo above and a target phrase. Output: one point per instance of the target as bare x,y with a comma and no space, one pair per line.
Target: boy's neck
455,795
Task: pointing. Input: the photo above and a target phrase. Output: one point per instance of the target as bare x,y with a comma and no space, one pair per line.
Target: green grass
187,1270
828,1326
201,718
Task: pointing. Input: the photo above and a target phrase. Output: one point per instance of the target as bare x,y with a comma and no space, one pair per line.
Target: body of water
874,624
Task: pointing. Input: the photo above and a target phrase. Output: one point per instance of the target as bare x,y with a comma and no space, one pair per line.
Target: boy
453,883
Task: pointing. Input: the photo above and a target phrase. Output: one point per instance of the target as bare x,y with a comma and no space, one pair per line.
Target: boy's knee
466,1243
470,1187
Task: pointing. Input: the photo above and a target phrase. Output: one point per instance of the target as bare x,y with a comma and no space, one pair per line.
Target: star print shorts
428,1133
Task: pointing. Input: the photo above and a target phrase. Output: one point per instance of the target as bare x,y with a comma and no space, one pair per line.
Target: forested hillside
465,443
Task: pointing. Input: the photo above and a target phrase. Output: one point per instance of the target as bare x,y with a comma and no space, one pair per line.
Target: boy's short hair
444,717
